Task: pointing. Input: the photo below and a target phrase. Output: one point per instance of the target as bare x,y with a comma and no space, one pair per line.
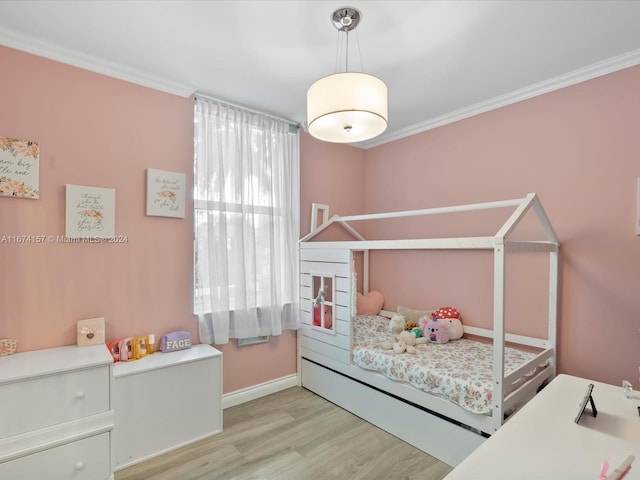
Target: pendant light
347,107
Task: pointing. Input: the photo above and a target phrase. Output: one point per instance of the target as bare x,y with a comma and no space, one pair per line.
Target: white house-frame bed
429,422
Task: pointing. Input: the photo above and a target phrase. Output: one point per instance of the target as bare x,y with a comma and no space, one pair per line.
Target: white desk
542,441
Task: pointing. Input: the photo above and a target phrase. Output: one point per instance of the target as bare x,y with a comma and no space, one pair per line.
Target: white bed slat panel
343,284
305,293
342,299
326,269
305,280
311,346
520,372
329,255
518,398
339,340
342,313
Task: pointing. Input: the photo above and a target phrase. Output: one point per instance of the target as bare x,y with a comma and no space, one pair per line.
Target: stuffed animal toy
412,337
405,342
328,320
436,331
451,318
410,325
397,324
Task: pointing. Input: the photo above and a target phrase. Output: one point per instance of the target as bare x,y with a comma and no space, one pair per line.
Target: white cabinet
164,401
56,415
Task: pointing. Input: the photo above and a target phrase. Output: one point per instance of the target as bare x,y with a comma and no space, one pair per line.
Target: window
246,200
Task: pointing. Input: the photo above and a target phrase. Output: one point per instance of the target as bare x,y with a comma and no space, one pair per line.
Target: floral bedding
460,371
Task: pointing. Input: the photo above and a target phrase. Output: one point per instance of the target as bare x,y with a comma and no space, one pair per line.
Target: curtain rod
235,105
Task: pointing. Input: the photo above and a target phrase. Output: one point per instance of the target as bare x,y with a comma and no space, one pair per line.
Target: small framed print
165,193
19,168
90,212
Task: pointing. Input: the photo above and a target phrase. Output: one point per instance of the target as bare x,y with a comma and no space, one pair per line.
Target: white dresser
56,414
164,401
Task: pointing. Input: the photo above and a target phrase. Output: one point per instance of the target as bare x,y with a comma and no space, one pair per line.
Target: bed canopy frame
325,362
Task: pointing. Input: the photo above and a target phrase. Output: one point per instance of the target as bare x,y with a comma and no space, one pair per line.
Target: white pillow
412,315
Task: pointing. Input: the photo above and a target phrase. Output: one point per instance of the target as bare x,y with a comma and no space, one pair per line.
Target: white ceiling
441,60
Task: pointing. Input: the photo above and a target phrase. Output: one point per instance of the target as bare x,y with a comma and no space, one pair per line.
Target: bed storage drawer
86,459
53,399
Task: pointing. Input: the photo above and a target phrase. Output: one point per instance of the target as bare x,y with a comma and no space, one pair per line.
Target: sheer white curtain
247,204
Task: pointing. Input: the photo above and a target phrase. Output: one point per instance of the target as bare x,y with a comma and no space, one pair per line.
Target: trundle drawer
40,402
86,459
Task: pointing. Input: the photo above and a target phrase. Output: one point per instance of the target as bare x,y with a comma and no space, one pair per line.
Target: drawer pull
80,395
79,465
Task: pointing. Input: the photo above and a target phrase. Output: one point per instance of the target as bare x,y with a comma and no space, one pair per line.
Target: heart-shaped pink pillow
369,304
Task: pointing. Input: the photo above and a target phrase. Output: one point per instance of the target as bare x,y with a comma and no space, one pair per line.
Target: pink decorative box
91,332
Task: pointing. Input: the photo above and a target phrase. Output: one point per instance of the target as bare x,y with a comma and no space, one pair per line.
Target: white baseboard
257,391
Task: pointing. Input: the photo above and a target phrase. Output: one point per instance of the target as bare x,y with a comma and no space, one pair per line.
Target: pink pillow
369,304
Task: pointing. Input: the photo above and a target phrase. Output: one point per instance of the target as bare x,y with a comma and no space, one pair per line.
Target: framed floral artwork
90,212
19,168
165,193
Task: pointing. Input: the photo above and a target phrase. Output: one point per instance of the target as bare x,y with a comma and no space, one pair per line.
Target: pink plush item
369,304
446,312
317,318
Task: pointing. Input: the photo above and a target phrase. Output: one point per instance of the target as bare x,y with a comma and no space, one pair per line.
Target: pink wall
95,131
98,131
578,148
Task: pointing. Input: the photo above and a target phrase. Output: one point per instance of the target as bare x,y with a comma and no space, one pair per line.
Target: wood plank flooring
292,435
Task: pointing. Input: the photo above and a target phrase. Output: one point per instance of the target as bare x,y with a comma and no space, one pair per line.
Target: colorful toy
317,316
451,318
435,331
410,325
131,348
142,346
405,342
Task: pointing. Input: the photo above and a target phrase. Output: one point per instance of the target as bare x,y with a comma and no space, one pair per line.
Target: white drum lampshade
347,107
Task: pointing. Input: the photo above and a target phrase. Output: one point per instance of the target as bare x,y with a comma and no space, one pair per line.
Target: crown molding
45,49
590,72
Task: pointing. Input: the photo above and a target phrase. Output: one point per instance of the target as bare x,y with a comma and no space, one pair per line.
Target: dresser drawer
86,459
39,402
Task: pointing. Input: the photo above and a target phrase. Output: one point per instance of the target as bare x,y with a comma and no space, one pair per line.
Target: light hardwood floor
292,435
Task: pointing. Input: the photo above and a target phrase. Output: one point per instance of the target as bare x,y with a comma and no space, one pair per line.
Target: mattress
459,371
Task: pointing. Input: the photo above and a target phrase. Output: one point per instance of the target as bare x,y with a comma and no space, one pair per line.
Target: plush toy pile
437,327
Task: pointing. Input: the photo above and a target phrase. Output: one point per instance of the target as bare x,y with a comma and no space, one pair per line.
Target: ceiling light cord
340,46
